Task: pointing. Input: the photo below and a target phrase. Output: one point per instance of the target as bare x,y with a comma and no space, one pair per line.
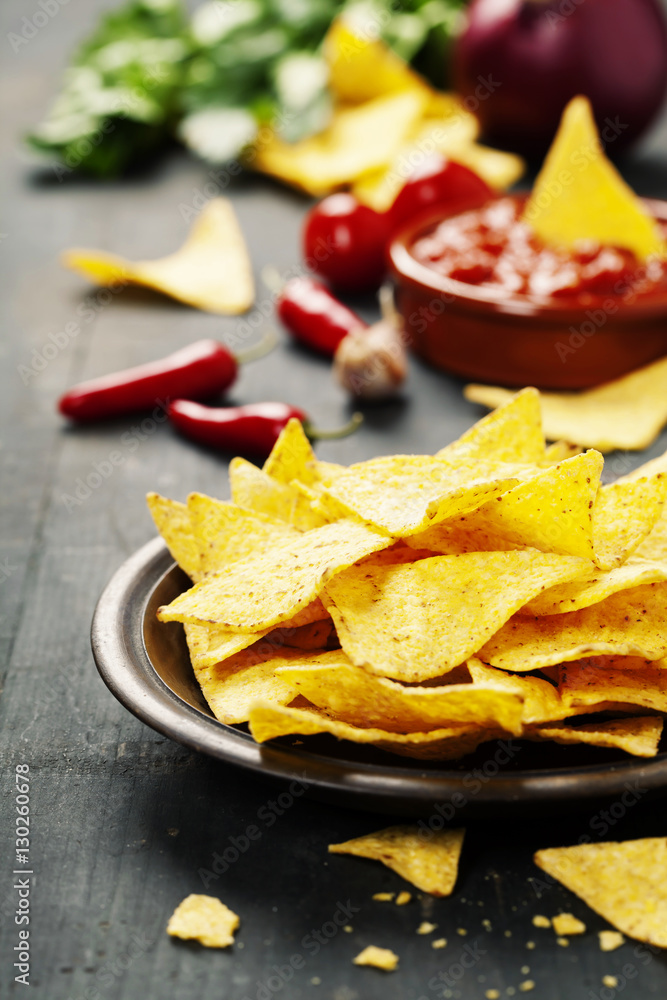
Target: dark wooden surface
123,820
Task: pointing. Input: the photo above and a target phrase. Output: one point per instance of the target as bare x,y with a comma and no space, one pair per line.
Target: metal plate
145,664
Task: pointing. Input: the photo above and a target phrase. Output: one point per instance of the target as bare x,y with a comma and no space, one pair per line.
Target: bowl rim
463,296
121,657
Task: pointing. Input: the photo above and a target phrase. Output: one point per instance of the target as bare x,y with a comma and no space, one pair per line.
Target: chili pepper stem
350,427
268,342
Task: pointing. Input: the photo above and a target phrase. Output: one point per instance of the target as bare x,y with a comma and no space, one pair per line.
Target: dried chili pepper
251,429
314,316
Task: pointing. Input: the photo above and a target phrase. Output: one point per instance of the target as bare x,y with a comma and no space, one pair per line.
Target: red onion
518,63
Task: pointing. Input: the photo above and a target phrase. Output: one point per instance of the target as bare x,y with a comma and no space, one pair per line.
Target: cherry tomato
344,241
438,183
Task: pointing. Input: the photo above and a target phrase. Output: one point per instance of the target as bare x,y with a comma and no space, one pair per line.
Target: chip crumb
379,958
611,981
348,928
439,943
383,897
492,995
403,898
563,942
526,986
315,981
530,945
173,831
610,940
540,921
462,931
204,919
566,923
525,969
486,923
426,928
510,991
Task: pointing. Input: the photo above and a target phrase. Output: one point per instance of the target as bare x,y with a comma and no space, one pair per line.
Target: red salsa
492,248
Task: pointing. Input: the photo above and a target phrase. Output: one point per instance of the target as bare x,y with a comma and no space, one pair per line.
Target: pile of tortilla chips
427,604
386,121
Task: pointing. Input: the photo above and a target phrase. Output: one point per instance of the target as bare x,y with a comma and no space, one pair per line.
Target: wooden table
124,822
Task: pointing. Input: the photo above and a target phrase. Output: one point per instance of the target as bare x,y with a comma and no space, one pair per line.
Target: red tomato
344,241
438,183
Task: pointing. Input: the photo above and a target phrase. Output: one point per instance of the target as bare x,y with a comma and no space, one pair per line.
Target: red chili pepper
196,372
251,429
314,316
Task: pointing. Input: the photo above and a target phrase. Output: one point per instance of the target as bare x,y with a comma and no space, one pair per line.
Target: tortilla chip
622,680
209,644
211,271
627,413
512,433
541,700
172,520
429,863
254,489
600,585
378,958
204,919
630,623
362,67
332,683
624,882
558,452
624,514
415,621
553,511
228,533
404,494
270,721
272,585
596,203
357,140
292,456
638,736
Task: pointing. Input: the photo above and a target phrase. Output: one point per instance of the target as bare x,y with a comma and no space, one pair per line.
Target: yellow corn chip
579,195
624,882
204,919
552,512
567,923
209,644
622,680
362,67
404,494
541,700
292,456
512,433
357,140
378,958
627,413
429,863
558,452
172,520
624,514
270,721
630,623
610,940
211,271
332,683
272,585
639,736
597,587
254,489
418,620
228,533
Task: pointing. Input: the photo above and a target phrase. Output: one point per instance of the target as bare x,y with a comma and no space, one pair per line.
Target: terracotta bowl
480,334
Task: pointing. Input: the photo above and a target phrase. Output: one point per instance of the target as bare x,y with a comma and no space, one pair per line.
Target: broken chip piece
204,919
379,958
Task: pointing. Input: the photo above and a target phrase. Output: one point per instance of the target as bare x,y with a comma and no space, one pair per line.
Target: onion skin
520,61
